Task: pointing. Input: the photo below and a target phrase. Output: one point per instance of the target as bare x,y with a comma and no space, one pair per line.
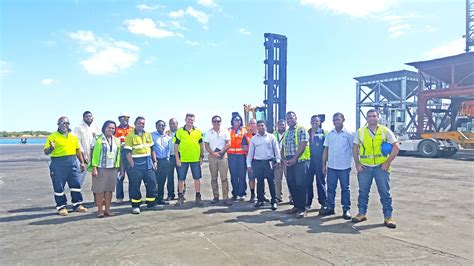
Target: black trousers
161,175
262,170
170,180
296,176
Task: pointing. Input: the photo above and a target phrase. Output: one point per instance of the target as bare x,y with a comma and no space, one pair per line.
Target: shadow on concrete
368,226
236,207
91,214
51,207
24,217
316,224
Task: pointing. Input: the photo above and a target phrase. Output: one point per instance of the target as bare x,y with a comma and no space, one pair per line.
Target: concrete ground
433,202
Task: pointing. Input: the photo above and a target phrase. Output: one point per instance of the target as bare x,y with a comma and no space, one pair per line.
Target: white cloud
208,3
244,31
143,7
126,45
149,61
5,69
177,14
200,16
353,8
48,81
447,49
105,56
146,27
109,60
398,30
177,25
399,25
82,35
192,43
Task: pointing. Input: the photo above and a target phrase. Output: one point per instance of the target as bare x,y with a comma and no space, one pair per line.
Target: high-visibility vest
97,152
306,153
139,144
236,141
370,149
121,133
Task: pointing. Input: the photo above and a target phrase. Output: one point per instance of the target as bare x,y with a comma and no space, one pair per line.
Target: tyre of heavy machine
428,149
447,153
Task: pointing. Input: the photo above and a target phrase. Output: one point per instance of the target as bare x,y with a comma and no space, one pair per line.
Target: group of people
302,156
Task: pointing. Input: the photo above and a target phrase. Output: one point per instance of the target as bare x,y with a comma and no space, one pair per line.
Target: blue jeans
382,180
66,170
195,170
238,171
343,176
316,168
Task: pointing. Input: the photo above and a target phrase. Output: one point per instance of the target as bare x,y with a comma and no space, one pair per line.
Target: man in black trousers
264,157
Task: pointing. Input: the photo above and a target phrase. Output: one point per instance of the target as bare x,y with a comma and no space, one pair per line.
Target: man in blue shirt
161,148
338,156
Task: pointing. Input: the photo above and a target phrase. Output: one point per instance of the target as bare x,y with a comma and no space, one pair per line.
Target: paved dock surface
433,203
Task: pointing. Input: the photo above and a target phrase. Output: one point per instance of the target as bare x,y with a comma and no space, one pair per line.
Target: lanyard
109,143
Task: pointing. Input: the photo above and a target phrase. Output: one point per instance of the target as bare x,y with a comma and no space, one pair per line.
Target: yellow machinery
465,139
254,112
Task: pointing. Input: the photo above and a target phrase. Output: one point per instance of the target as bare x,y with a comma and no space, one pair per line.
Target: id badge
110,155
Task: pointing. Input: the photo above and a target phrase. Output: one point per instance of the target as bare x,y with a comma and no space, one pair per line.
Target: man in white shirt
263,157
86,133
217,142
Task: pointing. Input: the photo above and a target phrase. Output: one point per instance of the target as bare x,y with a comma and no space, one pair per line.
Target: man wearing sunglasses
63,146
217,142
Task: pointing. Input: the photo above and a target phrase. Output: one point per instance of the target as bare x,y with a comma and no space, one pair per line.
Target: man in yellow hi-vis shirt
142,161
64,148
189,149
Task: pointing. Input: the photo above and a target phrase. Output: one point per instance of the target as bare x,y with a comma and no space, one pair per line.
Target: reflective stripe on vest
370,152
306,153
236,141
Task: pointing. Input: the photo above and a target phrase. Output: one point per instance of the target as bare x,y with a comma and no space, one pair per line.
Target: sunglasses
216,121
64,123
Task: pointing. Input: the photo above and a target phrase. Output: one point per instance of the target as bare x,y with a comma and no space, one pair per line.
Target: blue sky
163,59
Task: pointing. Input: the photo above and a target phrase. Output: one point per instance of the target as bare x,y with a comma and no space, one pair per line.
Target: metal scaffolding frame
455,84
469,25
388,91
275,78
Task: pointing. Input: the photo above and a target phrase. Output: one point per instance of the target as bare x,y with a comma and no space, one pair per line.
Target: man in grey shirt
262,158
337,161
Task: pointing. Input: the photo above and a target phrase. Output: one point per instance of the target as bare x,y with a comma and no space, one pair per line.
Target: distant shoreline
25,137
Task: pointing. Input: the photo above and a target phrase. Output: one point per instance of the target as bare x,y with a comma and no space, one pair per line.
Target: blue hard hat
386,148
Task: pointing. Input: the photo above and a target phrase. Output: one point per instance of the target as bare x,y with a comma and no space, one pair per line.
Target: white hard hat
124,114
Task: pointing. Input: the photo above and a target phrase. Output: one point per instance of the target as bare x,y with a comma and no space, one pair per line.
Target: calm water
17,141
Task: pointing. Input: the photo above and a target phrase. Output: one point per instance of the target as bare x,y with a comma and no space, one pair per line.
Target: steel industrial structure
275,78
469,25
448,78
393,93
414,103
